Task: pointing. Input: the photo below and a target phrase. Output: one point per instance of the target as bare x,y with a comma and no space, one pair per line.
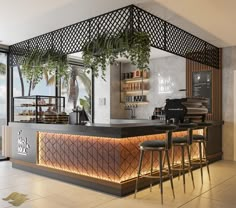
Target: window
78,90
3,94
22,87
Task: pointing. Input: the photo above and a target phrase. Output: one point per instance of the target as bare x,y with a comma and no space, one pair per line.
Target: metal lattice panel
152,25
163,35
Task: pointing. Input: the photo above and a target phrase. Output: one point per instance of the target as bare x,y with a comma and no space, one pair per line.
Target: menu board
202,86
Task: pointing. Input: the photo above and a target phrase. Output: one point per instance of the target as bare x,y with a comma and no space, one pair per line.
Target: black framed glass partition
22,87
78,91
3,96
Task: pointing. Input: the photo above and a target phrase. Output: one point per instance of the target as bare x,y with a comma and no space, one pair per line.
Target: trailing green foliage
37,62
105,49
3,69
86,103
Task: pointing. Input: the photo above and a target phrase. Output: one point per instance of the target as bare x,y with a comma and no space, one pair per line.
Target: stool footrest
156,174
197,161
178,167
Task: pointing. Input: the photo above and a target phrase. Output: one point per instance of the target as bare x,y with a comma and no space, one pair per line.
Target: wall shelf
136,91
136,103
140,79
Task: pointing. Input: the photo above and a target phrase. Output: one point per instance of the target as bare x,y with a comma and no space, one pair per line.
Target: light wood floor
48,193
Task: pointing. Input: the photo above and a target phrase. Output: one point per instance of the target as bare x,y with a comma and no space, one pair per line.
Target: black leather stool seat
198,137
153,143
179,140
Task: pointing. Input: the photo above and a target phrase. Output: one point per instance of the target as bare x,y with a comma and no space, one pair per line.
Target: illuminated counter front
101,162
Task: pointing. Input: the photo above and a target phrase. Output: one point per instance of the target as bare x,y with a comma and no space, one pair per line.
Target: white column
234,130
102,99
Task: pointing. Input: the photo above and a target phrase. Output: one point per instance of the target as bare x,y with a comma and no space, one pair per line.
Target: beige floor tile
136,203
45,187
223,192
5,164
15,180
48,193
75,200
207,203
47,203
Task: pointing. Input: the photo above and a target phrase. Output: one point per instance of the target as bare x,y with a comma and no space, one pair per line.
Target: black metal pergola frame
163,35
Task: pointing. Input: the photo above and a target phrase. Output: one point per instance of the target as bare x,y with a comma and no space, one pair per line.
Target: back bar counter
101,157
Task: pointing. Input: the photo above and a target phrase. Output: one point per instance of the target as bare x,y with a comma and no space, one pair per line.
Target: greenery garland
37,63
105,49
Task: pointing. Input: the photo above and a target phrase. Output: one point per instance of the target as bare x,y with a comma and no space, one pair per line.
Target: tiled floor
48,193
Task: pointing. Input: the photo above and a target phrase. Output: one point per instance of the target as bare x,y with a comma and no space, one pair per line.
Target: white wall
117,109
229,103
102,98
171,69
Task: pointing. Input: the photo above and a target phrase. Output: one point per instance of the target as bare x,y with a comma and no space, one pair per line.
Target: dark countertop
100,130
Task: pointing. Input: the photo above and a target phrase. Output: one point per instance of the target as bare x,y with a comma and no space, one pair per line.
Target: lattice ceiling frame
163,35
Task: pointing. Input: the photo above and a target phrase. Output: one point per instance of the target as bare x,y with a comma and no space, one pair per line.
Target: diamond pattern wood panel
109,159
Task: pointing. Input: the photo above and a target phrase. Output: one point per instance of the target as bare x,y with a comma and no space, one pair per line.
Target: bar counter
102,157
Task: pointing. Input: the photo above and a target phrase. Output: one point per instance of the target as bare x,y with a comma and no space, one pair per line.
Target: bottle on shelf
135,74
136,98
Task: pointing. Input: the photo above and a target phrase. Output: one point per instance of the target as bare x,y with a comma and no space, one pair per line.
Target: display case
39,109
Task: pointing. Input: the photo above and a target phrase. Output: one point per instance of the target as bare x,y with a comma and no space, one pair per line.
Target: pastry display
40,109
50,116
62,117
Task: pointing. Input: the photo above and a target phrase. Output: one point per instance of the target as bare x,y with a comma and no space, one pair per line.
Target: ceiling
211,20
24,19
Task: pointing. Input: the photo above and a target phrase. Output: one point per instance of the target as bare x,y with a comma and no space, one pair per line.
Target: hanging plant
105,49
56,64
38,62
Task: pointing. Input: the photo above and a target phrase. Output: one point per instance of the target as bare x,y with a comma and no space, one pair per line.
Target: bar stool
161,146
201,140
183,142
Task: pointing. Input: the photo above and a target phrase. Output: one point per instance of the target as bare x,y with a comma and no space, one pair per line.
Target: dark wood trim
192,66
214,156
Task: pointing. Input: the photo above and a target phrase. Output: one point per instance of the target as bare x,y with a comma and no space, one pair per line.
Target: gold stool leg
172,156
151,170
160,166
173,159
183,165
207,162
170,173
190,165
200,155
139,171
